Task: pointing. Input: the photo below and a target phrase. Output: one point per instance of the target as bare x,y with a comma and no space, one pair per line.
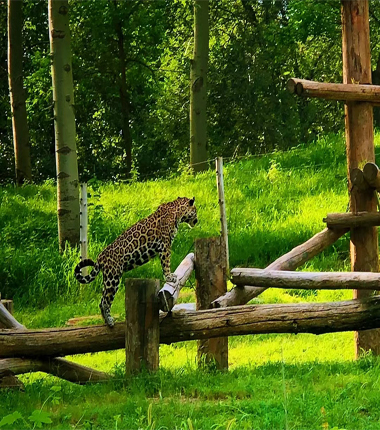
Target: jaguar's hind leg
110,287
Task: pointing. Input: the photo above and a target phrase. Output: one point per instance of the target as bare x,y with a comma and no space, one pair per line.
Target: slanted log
371,174
7,320
290,261
317,318
352,220
306,280
168,295
332,91
60,367
56,366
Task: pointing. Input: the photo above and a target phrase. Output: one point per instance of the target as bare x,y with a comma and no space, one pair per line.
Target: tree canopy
255,47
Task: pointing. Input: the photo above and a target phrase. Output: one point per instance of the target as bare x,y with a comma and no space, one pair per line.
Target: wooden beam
306,280
331,91
314,318
358,180
168,295
371,174
360,146
211,278
290,261
56,366
352,220
59,367
142,334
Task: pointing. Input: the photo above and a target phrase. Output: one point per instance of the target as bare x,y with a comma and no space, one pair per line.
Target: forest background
255,47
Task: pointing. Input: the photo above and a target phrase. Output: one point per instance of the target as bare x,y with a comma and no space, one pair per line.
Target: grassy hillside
274,203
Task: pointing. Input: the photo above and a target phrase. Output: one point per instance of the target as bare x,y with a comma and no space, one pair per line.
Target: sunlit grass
274,203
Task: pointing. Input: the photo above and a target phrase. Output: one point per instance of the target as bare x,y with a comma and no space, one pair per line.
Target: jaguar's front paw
172,278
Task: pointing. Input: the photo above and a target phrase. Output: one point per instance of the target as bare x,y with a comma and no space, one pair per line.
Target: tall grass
274,202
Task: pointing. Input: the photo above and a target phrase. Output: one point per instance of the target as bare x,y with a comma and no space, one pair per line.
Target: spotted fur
136,246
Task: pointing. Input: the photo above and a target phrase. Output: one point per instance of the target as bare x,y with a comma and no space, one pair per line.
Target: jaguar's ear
191,201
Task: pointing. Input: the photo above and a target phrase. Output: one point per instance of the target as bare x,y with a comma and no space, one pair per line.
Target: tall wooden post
142,332
360,147
211,282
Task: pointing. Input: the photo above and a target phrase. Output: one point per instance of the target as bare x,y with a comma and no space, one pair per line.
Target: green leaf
40,417
10,419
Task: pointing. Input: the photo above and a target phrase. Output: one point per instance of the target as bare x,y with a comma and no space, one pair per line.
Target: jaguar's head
187,211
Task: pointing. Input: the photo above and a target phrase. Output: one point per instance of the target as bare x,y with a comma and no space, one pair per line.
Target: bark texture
198,87
17,93
360,146
290,261
64,124
317,318
142,333
211,282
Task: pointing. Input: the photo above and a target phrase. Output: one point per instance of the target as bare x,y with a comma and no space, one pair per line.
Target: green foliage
273,202
255,47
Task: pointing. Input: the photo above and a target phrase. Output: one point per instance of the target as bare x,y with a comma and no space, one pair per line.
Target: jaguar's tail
89,278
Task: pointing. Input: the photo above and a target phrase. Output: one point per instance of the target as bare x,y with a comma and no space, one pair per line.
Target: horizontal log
169,293
371,174
332,91
352,220
290,261
314,318
59,367
56,366
306,280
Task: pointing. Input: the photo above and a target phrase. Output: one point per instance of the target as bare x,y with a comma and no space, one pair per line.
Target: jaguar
136,246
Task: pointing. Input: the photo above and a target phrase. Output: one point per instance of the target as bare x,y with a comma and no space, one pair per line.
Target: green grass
274,203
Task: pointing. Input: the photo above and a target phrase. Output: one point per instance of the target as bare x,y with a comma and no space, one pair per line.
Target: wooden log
142,334
352,220
59,367
7,320
168,295
211,282
56,366
332,91
317,318
306,280
357,179
290,261
360,146
371,174
9,305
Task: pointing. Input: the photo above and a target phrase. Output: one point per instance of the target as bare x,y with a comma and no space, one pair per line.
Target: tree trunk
17,94
360,147
64,123
124,100
198,88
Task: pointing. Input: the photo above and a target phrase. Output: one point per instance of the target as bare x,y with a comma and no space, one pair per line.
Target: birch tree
64,124
198,87
17,94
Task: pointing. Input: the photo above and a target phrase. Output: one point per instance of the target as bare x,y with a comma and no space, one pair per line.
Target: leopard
136,246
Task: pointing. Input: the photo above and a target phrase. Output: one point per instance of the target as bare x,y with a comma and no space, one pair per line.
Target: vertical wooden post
222,206
83,226
360,147
211,283
142,335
